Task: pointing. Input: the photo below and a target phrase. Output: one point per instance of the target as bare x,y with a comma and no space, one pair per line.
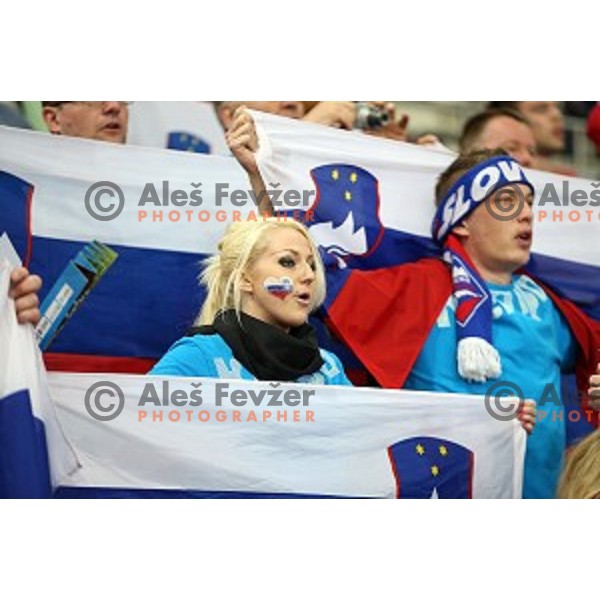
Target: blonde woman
263,283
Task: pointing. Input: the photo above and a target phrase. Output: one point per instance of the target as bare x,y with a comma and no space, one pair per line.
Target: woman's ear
246,283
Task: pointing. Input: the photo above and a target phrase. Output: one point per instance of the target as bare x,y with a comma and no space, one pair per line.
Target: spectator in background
500,128
333,114
286,108
548,125
546,120
97,120
342,115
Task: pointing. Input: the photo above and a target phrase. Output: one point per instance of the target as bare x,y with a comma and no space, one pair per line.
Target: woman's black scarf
268,352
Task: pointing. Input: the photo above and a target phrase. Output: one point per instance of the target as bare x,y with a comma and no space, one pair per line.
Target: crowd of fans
531,133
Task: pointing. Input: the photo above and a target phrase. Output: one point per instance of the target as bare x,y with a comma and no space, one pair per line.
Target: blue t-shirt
535,345
210,356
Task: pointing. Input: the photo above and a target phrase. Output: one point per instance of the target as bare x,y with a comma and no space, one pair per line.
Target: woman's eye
313,266
287,262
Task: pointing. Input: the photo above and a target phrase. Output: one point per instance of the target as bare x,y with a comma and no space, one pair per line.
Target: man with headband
475,318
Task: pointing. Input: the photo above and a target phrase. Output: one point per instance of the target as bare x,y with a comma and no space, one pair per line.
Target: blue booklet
71,288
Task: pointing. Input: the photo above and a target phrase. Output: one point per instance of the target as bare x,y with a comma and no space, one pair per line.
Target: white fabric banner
217,436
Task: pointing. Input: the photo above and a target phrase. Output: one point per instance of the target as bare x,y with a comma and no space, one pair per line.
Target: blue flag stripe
24,471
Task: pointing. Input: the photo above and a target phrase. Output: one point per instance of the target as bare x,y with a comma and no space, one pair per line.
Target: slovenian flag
35,455
49,187
343,442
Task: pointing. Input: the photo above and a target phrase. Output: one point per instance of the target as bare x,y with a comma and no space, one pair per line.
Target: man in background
500,128
548,126
96,120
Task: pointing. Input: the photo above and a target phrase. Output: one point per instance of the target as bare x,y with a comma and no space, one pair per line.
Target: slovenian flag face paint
280,287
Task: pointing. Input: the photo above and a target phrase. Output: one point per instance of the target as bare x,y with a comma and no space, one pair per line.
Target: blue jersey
535,345
210,356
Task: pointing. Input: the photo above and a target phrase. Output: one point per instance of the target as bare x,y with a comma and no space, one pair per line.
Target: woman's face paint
280,287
